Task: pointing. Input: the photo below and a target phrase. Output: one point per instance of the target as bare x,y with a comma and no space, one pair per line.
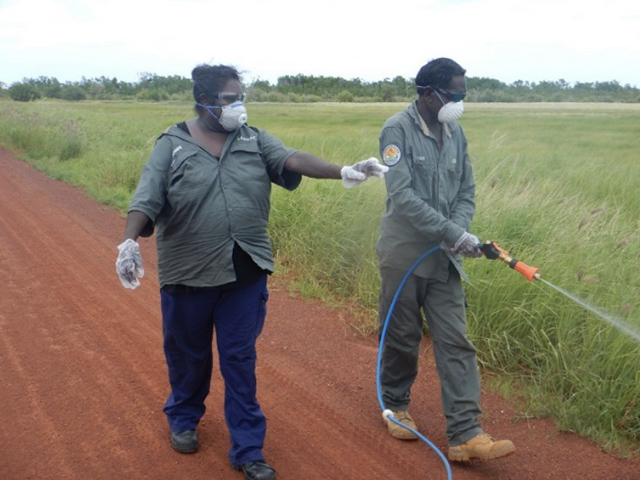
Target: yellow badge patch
391,155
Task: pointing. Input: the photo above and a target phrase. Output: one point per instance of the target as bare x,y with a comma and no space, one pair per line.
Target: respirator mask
233,116
450,111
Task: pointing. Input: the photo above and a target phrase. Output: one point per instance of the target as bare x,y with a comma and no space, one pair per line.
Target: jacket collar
415,114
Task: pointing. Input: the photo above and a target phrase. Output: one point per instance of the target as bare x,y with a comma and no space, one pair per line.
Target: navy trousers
188,320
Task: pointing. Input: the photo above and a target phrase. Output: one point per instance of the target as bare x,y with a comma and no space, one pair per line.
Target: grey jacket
201,205
430,194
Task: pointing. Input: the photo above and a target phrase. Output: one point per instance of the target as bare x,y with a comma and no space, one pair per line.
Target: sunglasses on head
453,96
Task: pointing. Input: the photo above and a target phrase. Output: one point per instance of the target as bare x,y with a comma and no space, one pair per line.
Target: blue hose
378,385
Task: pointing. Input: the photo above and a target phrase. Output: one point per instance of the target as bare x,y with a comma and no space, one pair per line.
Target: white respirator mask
232,117
451,111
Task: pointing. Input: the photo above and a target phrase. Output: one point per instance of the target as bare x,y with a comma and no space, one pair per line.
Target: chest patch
391,155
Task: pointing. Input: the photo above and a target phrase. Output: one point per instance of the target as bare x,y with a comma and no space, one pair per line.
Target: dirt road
83,379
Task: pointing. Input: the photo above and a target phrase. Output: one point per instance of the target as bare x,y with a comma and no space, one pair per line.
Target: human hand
358,173
467,246
129,264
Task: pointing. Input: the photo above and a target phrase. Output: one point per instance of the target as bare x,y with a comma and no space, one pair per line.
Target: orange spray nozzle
492,251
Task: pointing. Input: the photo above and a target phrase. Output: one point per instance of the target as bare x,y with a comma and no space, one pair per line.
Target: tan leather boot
399,432
482,447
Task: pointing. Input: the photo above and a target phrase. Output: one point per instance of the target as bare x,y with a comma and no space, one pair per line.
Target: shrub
345,96
294,98
23,92
154,95
72,93
274,97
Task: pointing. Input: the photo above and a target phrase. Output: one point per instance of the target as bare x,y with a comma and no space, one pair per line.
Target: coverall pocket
453,180
454,169
424,164
423,179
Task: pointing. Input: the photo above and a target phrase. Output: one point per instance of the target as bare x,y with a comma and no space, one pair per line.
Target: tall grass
98,146
557,187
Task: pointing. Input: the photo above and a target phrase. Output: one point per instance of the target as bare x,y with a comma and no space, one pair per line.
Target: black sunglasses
453,96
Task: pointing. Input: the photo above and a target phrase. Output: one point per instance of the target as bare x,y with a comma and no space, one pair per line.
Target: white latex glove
358,173
467,246
129,264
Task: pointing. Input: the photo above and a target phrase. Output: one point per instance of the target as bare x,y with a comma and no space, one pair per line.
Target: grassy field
558,186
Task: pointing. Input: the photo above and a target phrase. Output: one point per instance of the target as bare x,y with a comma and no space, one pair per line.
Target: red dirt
83,378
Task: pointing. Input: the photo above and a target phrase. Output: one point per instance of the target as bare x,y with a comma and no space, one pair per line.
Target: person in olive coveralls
430,202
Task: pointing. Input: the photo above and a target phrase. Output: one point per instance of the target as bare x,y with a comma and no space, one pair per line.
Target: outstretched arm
311,166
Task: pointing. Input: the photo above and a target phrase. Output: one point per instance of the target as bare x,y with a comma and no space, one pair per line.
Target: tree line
308,88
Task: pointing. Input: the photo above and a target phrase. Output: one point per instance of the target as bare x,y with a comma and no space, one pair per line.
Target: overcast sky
509,40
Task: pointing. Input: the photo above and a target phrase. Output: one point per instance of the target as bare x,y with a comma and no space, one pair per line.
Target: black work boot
258,470
185,442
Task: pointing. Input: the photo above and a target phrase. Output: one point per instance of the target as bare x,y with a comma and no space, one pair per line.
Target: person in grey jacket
205,190
430,202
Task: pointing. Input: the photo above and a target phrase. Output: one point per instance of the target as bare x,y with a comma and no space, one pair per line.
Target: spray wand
492,251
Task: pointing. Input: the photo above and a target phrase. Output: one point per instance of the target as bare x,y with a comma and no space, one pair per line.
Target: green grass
557,187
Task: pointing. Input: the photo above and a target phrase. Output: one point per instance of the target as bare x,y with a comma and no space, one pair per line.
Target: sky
508,40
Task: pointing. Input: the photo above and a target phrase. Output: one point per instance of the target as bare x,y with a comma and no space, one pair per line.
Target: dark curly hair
438,73
210,79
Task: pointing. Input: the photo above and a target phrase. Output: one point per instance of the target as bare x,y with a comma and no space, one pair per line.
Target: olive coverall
430,201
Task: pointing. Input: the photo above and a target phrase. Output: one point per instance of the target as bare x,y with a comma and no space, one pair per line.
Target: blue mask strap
208,109
436,92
